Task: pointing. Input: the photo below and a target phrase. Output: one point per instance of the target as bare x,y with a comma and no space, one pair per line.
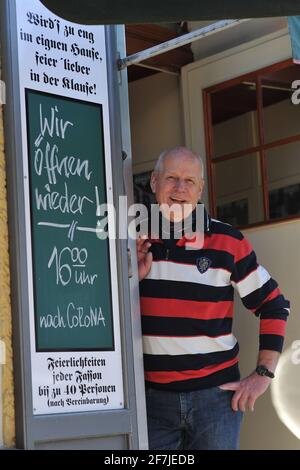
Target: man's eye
170,178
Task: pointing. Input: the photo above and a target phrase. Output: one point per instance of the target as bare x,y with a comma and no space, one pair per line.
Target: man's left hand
247,391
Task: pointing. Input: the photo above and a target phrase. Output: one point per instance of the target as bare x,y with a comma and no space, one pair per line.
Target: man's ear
153,180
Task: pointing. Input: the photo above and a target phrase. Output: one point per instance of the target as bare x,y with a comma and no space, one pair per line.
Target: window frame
261,148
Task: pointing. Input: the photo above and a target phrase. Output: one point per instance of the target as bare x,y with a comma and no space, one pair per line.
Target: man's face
179,183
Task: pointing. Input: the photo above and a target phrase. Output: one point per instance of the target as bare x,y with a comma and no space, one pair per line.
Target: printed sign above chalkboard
71,265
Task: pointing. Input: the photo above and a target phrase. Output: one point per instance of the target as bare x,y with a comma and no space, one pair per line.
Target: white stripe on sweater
221,222
171,271
187,345
253,281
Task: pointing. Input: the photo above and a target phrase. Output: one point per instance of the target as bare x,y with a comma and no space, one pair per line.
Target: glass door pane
234,119
239,190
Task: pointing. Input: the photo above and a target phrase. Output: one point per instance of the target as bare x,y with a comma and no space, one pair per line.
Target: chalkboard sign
71,265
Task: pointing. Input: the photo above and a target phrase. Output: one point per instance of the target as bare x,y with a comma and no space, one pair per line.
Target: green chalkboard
71,265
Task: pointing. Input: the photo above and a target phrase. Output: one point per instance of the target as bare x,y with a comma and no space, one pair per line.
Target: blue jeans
198,420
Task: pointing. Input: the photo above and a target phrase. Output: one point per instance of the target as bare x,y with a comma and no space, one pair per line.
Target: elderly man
195,398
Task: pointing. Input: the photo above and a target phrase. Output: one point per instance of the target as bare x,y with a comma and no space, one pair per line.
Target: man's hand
144,257
247,391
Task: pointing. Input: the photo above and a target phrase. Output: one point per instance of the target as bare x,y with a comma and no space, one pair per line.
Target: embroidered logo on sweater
203,264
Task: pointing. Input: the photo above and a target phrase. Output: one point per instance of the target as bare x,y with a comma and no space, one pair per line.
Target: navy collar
206,223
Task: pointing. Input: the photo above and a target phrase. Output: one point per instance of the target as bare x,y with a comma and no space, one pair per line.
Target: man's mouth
176,200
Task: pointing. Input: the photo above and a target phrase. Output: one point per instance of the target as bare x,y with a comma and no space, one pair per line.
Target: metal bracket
178,42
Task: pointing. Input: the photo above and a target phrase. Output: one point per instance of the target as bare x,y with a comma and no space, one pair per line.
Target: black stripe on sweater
219,259
244,267
221,228
273,342
275,315
165,289
230,374
274,306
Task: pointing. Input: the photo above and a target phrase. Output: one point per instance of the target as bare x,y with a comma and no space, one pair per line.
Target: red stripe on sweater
272,327
195,243
238,248
169,376
275,293
152,306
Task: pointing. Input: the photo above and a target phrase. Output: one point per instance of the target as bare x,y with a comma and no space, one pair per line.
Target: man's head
177,180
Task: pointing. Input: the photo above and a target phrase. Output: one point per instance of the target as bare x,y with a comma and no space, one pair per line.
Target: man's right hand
144,256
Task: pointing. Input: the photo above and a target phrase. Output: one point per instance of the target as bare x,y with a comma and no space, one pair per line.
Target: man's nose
180,184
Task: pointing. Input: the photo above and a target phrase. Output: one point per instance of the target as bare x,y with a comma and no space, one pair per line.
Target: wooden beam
141,37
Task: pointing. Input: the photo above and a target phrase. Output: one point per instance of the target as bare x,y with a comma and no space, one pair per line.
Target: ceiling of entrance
141,37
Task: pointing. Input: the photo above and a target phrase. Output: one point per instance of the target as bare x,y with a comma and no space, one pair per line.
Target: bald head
177,180
178,153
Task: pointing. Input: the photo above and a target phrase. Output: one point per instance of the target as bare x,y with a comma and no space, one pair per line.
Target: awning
294,27
156,11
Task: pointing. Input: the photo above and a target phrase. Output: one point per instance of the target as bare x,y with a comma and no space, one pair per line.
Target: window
142,190
253,147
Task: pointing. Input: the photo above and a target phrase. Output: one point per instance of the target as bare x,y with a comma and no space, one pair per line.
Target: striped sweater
187,308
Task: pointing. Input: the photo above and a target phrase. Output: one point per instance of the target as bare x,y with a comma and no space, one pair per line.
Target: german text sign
75,339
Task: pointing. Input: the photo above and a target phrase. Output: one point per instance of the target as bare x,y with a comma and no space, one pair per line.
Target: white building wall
276,249
155,117
277,245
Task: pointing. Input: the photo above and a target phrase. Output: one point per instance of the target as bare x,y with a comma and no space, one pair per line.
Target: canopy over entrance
156,11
